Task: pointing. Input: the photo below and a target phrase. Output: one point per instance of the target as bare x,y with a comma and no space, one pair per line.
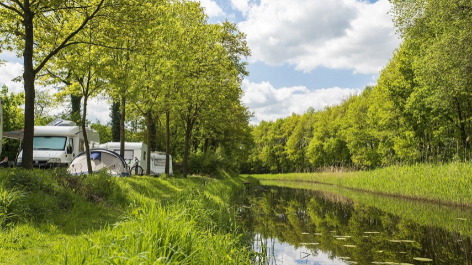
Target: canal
303,223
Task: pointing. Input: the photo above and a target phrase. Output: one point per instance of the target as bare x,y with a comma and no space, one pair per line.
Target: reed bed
443,183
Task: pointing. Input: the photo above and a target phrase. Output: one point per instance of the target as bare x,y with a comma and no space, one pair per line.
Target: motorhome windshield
49,142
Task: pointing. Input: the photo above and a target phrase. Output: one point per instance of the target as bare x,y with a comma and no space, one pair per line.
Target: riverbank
49,217
448,184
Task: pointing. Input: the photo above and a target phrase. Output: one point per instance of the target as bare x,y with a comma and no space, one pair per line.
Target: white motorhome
158,163
57,143
133,150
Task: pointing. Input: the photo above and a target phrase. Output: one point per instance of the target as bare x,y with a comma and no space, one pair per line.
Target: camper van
132,150
158,163
57,143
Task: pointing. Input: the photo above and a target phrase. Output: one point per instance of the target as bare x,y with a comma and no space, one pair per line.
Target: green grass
53,218
446,183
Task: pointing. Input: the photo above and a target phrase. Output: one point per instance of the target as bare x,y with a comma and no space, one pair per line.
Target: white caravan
57,143
133,150
158,163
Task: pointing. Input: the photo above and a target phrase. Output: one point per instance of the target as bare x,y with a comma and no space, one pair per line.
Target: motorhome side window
144,158
49,143
70,146
81,146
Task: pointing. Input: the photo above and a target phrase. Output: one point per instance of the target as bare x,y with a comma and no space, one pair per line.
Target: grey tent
101,159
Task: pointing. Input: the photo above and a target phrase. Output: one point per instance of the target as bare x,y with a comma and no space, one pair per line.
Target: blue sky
305,53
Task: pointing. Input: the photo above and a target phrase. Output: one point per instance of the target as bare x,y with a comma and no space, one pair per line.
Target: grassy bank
452,219
49,217
446,183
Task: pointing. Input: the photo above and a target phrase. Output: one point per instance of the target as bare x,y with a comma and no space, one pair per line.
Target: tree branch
14,9
64,43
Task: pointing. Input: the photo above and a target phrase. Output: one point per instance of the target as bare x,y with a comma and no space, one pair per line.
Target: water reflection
296,226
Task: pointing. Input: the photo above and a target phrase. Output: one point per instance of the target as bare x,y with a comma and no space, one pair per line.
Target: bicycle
137,169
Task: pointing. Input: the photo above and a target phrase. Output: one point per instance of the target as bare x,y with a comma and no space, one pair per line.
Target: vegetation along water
50,217
299,223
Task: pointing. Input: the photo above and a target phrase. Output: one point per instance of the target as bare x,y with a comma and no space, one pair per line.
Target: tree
41,29
85,66
13,119
438,36
209,78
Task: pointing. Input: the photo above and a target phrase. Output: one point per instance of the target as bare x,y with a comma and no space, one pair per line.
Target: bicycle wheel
137,170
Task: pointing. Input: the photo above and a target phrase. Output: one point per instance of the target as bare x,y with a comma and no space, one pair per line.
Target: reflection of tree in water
348,229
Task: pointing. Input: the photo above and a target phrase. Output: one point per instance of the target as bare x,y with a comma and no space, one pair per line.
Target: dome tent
101,159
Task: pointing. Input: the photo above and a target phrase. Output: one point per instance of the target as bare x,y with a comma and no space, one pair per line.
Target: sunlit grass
446,183
106,220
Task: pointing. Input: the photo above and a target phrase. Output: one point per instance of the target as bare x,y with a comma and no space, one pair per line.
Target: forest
418,112
173,81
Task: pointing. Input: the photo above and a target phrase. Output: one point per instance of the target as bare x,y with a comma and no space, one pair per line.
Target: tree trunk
148,136
188,134
28,77
122,126
84,132
115,120
167,143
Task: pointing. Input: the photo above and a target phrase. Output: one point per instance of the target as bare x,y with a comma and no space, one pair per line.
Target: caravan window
49,143
160,162
129,154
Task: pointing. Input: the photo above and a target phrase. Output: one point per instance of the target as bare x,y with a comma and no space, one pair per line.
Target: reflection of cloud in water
285,254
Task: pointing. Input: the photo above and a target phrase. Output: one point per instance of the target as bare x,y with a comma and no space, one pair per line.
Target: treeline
171,77
419,111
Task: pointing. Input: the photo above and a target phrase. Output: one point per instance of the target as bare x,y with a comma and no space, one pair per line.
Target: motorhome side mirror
69,149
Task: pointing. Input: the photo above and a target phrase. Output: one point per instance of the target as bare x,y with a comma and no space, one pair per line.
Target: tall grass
446,183
100,219
181,233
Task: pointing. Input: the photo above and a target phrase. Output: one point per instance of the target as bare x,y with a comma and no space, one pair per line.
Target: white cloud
240,5
337,34
9,71
98,109
269,103
211,8
287,254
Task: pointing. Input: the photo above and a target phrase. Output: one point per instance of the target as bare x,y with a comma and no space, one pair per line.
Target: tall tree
40,29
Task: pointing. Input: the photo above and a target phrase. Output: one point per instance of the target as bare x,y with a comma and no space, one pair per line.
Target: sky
304,53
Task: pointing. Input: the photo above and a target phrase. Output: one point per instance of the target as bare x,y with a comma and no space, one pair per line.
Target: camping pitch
101,159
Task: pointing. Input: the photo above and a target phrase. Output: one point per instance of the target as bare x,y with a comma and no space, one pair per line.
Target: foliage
13,119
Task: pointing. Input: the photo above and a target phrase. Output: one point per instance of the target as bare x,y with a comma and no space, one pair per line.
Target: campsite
61,143
236,132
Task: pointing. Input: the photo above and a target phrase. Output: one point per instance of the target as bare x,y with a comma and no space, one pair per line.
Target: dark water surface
314,224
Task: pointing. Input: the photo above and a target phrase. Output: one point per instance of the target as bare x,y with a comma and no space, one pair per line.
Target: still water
315,224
